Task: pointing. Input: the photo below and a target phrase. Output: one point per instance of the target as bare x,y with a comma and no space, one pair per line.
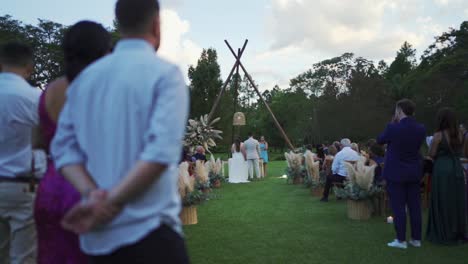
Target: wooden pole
236,93
218,99
283,133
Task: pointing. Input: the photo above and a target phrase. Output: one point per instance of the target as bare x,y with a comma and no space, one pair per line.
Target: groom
252,150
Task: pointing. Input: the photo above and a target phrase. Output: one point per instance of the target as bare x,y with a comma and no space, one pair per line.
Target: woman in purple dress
84,43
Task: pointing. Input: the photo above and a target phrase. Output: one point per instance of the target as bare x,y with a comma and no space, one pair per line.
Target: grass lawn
272,222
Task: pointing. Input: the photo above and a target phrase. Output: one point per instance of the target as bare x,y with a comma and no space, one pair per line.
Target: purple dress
55,196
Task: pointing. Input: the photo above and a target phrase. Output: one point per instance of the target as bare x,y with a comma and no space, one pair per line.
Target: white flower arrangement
200,132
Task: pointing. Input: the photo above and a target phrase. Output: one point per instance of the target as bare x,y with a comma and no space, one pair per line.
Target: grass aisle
272,222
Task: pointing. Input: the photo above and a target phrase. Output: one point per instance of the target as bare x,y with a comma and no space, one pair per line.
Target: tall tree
205,82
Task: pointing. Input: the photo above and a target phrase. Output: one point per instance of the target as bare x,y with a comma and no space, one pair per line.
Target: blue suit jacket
403,161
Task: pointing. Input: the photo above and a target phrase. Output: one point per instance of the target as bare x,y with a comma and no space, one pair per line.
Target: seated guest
329,159
185,156
339,171
376,157
200,155
355,147
337,145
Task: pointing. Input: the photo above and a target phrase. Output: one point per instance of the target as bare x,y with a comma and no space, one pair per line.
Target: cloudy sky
285,36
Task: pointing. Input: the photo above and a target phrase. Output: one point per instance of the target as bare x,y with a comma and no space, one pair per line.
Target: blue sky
285,36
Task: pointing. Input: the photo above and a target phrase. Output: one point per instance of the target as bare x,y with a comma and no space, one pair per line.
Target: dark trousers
162,245
333,178
402,196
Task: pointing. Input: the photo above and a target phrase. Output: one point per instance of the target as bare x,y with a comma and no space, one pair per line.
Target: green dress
447,211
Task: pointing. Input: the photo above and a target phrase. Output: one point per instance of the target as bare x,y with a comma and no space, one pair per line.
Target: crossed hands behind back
89,214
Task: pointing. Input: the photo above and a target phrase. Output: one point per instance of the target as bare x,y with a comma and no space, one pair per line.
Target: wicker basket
316,192
189,215
298,180
359,210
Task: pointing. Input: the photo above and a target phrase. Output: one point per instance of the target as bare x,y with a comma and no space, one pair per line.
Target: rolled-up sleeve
65,148
163,139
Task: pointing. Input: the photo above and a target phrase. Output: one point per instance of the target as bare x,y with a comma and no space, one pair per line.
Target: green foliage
46,40
195,197
354,192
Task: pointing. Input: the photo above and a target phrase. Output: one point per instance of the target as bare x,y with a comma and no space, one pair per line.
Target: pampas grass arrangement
186,184
295,169
360,184
214,169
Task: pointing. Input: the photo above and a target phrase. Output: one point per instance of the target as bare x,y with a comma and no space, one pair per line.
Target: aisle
272,222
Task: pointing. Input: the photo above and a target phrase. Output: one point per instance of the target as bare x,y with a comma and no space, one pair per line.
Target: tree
205,82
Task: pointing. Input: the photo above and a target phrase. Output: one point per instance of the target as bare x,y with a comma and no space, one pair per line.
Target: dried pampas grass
186,183
214,167
313,167
201,173
360,174
294,160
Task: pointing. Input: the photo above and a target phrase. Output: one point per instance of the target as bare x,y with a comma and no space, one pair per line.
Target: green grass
272,222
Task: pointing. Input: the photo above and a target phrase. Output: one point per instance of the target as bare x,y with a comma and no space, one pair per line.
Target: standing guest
339,171
123,160
15,158
403,171
84,43
447,210
18,118
252,152
200,155
264,154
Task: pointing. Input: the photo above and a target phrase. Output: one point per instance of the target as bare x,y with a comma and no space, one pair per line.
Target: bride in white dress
238,170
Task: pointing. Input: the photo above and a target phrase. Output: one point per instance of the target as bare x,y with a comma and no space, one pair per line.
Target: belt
18,179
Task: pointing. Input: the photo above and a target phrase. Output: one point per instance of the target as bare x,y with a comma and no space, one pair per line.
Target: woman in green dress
447,211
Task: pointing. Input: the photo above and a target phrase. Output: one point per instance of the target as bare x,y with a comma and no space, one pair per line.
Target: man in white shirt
18,117
119,141
339,171
252,152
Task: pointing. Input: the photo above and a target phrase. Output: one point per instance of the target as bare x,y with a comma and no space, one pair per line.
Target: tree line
345,96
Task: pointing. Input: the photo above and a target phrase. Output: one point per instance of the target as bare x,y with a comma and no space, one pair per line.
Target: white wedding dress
238,170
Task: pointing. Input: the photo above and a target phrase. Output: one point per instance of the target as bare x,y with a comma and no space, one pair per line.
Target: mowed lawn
270,221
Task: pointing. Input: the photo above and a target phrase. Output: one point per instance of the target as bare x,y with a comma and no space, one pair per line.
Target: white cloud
373,29
175,46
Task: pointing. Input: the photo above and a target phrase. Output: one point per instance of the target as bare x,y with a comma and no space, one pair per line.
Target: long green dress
447,211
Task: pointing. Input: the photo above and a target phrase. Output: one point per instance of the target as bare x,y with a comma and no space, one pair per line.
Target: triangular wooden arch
236,66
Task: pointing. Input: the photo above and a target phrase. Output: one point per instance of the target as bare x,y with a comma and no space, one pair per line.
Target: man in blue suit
403,171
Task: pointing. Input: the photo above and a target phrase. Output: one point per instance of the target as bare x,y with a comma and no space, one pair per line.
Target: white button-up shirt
129,106
18,116
346,154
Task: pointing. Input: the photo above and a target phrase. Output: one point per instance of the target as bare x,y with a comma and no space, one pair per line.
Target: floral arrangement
314,179
295,169
359,185
200,132
214,169
189,195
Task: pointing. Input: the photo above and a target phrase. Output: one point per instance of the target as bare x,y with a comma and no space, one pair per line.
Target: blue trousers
402,196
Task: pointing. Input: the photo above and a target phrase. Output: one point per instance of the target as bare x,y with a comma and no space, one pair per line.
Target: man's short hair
250,134
346,142
16,54
407,106
135,16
